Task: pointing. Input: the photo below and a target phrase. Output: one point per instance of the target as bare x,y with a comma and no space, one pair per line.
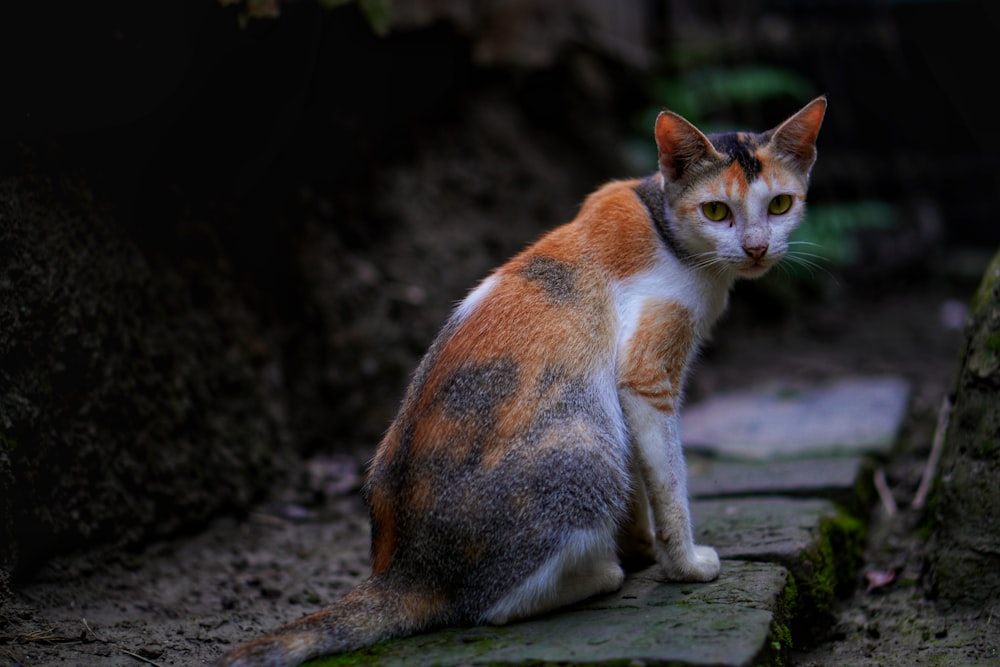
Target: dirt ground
184,601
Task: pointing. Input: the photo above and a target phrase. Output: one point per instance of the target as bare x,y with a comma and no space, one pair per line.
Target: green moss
984,293
863,496
827,570
846,535
365,656
993,342
986,447
817,583
780,637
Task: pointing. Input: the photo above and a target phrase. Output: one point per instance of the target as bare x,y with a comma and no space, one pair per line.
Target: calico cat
538,445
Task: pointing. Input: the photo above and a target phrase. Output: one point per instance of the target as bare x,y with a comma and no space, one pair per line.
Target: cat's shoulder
612,232
618,198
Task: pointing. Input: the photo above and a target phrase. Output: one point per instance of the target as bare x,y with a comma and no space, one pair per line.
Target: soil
186,600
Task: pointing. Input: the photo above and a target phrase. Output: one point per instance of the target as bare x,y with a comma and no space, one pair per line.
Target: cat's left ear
795,139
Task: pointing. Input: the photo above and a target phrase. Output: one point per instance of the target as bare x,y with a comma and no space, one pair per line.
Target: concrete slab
819,545
845,480
778,530
733,621
727,623
849,417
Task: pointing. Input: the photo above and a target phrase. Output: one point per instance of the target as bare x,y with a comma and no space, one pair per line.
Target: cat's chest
701,297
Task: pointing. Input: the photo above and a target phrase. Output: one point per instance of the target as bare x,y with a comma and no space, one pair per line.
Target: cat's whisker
799,253
712,263
708,259
805,260
809,257
811,243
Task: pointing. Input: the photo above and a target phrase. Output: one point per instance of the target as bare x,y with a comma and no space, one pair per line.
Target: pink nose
755,252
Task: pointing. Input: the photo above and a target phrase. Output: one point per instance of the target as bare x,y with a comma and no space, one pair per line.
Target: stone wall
133,401
965,553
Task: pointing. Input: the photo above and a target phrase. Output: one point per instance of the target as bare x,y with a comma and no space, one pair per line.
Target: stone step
849,417
846,480
820,544
739,619
778,569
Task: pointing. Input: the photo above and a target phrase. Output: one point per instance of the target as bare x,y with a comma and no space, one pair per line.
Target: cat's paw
697,564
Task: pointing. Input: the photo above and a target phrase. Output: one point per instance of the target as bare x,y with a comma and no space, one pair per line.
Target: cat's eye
780,204
715,211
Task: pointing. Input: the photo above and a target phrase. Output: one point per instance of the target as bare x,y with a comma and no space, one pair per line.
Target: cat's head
733,198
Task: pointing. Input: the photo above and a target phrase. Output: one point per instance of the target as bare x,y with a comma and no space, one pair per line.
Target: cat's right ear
680,144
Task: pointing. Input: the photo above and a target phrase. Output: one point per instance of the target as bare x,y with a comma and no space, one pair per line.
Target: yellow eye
715,211
780,204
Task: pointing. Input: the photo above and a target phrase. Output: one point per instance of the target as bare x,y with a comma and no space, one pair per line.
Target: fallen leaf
878,578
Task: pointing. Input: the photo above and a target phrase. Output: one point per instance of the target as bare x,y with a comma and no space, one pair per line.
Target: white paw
698,564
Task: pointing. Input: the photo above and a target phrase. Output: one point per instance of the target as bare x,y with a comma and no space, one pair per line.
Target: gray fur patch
740,148
477,389
651,195
558,279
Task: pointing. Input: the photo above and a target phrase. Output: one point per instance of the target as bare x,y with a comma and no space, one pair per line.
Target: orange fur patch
657,354
615,231
384,537
735,180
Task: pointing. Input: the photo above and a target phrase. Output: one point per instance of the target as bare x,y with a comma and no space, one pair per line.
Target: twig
139,657
944,416
91,630
47,636
120,648
884,494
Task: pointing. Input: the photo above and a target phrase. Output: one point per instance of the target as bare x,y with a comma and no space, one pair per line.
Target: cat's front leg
661,466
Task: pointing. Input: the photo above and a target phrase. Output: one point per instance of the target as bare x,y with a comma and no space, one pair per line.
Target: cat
537,447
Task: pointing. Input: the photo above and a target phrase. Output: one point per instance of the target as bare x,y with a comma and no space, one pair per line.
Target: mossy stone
965,546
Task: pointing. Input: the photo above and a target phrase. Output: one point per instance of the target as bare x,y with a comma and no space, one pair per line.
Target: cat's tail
373,612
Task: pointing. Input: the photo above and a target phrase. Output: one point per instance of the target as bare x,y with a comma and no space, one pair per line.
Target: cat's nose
755,252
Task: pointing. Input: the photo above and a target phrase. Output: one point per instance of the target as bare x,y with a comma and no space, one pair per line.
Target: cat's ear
681,144
795,139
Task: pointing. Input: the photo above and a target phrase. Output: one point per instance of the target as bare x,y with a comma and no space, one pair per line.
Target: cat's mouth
754,269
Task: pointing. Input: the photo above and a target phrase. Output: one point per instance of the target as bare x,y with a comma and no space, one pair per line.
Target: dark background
225,240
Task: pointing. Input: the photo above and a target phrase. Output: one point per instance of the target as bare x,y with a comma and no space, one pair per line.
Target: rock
965,547
129,408
820,544
745,617
784,420
846,480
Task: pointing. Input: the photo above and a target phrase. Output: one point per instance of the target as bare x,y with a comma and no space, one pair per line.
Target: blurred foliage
829,239
702,94
832,229
706,95
378,13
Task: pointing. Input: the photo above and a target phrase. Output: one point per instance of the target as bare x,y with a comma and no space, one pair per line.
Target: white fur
586,566
655,434
703,291
474,298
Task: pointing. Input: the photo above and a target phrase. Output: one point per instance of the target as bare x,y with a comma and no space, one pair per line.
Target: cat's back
526,364
551,312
